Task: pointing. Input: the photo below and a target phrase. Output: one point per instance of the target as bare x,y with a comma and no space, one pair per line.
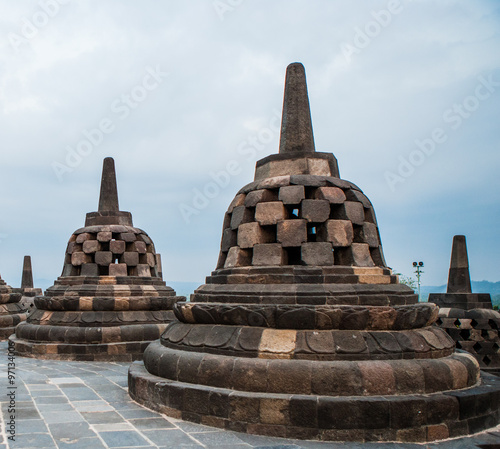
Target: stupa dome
110,301
302,331
12,312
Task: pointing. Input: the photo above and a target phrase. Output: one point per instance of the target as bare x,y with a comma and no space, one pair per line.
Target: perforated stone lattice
300,220
112,250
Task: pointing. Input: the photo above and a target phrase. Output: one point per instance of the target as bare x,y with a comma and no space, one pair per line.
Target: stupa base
402,418
107,352
6,332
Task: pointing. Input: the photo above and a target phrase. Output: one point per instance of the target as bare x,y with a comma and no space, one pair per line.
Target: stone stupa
468,317
28,291
302,331
110,301
12,312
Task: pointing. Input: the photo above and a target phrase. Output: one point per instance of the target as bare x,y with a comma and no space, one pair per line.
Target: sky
186,96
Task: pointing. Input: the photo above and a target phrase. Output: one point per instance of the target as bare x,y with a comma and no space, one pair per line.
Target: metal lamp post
419,271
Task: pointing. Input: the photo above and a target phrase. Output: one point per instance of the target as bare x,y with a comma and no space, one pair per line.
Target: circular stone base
6,332
403,418
108,352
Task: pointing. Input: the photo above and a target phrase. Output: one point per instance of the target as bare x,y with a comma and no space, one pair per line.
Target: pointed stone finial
108,211
459,277
27,278
296,124
108,199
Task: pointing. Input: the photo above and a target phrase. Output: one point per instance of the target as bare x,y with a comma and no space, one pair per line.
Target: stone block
270,213
104,236
84,236
316,211
292,232
260,196
143,270
350,211
152,261
118,269
369,235
338,232
240,215
73,247
317,253
117,246
128,237
268,254
358,254
250,234
238,257
238,200
356,195
89,269
292,194
79,258
91,246
131,259
333,194
229,239
103,257
140,247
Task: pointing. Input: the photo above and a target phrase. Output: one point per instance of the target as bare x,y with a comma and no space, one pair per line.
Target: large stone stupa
468,317
110,301
12,312
302,331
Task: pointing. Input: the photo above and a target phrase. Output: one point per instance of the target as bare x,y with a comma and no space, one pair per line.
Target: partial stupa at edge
468,317
12,311
302,331
110,301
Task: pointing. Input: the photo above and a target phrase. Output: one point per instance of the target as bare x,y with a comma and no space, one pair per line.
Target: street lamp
419,271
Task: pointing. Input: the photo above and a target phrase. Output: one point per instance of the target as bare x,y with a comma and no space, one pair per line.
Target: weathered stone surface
241,214
338,232
238,257
268,254
270,213
292,232
316,211
259,196
333,194
350,210
317,253
292,194
250,234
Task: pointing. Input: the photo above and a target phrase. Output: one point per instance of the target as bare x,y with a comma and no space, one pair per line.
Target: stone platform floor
85,405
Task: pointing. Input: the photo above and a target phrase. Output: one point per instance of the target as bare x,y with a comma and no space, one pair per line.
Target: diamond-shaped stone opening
474,323
439,321
486,360
493,324
465,334
477,347
495,347
457,323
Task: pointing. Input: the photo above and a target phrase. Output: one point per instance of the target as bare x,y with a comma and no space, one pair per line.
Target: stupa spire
296,124
108,211
458,276
108,199
27,278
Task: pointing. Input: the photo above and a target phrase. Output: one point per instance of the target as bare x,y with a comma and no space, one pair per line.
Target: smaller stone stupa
28,291
110,301
468,317
12,312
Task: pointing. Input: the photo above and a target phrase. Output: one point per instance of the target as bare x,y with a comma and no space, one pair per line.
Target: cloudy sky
185,95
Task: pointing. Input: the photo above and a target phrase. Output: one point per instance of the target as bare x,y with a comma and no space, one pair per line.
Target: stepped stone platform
110,301
302,331
469,317
12,311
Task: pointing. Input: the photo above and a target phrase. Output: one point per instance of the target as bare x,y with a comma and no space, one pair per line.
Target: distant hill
493,288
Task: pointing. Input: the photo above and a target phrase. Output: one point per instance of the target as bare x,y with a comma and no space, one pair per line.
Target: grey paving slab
34,440
169,437
125,438
102,417
83,443
217,438
151,423
71,431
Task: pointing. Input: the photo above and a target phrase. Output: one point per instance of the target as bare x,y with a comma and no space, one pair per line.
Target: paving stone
102,417
173,437
151,423
123,439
